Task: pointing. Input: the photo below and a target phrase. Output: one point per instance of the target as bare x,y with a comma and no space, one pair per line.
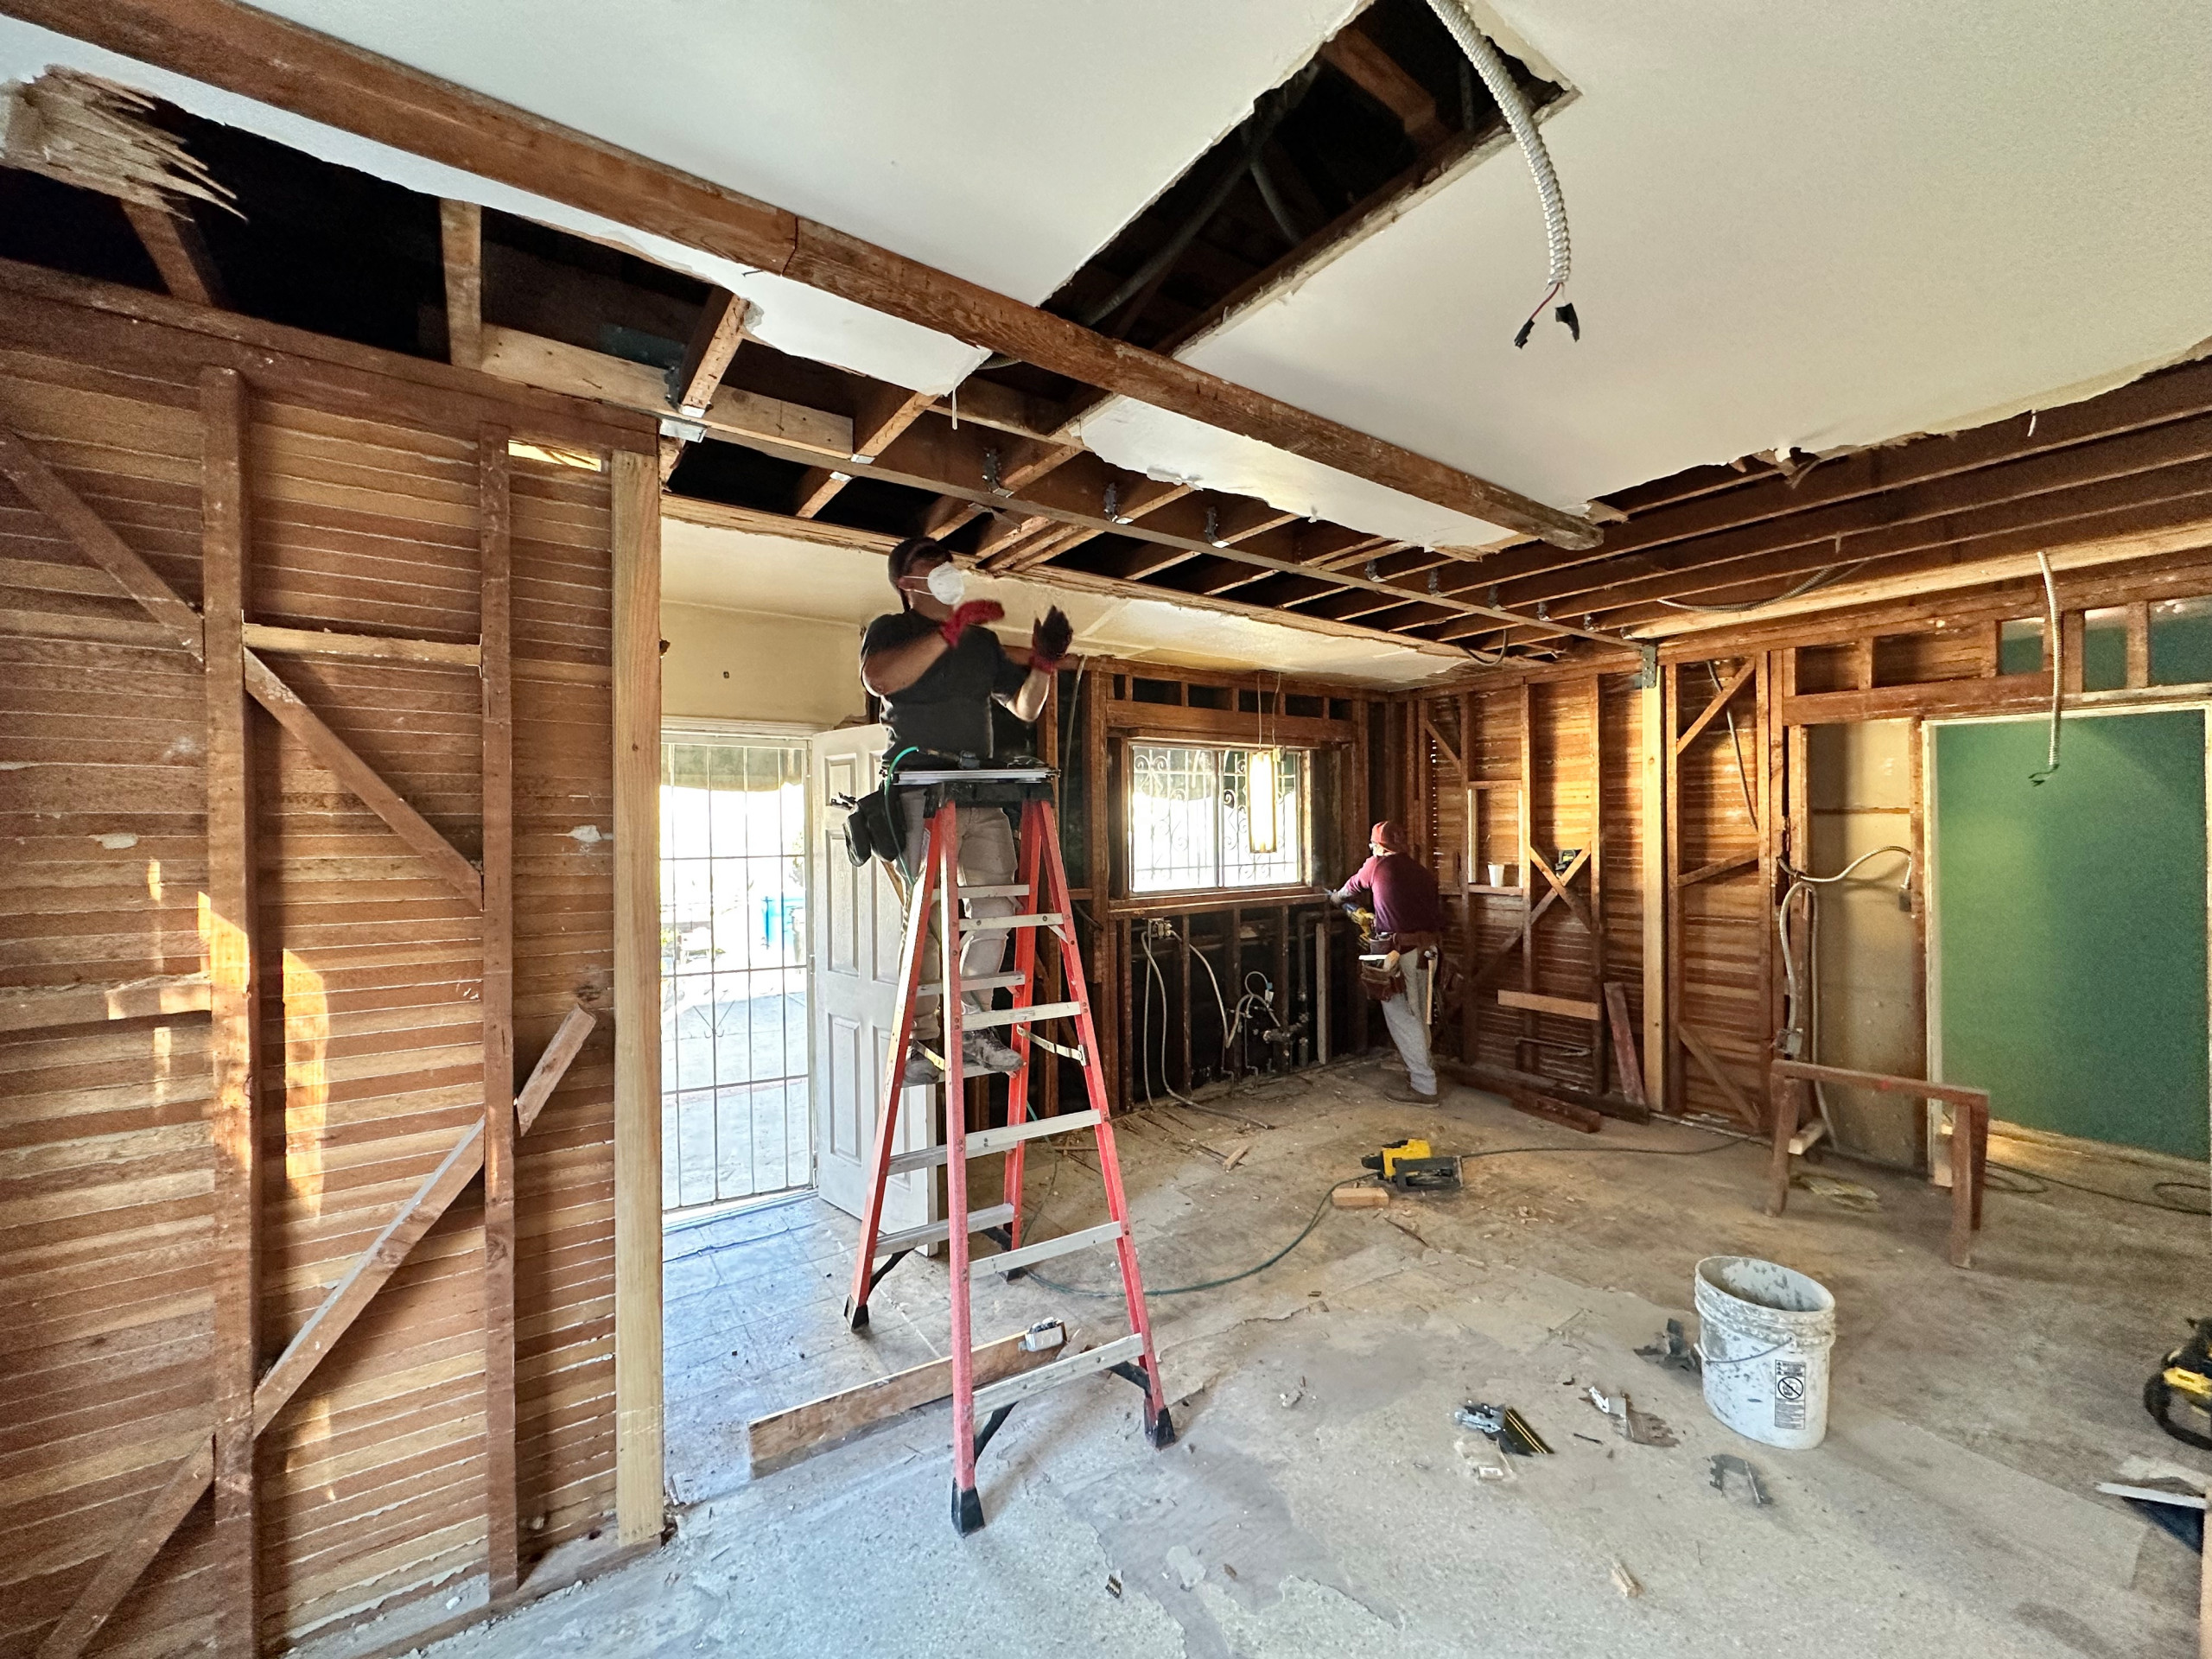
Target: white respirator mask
947,583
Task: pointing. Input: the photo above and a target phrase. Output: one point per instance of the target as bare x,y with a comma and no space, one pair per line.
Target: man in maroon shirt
1409,919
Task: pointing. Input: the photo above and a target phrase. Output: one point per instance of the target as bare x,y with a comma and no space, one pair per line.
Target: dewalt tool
1411,1166
2180,1398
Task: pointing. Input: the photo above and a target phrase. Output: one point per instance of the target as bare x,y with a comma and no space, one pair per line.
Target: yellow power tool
1412,1167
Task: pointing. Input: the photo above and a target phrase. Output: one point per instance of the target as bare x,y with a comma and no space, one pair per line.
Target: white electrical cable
1153,968
2057,638
1491,67
1797,1016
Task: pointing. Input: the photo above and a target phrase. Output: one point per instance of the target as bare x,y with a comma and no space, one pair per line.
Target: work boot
1406,1093
980,1051
921,1070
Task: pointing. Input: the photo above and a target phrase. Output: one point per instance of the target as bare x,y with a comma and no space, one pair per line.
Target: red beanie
1387,836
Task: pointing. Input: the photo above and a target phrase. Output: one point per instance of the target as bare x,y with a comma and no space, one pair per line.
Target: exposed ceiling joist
1378,75
882,413
257,55
460,240
171,239
555,365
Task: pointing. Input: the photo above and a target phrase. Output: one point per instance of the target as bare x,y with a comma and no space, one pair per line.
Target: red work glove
1050,639
972,613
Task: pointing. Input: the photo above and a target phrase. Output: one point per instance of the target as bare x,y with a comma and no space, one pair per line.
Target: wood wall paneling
163,463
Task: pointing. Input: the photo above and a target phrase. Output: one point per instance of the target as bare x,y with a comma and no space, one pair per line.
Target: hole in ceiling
1381,109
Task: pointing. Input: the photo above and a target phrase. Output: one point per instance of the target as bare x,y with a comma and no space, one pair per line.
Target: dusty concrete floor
1321,1500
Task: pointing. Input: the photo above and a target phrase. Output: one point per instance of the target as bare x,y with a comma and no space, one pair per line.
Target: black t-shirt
948,710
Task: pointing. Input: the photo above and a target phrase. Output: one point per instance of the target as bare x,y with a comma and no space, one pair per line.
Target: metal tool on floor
1504,1425
1042,878
1411,1166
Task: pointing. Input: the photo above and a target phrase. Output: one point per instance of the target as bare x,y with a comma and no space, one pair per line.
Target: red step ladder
1043,878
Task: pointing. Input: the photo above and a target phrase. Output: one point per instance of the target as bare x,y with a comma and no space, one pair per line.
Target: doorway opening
735,1123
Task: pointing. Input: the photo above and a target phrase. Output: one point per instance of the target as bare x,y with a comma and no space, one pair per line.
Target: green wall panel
2071,922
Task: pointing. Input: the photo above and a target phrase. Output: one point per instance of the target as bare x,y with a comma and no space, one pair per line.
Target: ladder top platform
1033,774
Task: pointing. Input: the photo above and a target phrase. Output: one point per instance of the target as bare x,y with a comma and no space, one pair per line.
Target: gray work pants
986,860
1405,1014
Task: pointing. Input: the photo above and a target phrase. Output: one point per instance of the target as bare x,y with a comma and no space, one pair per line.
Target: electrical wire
1820,578
2042,1181
2057,639
1322,1209
1153,977
1453,15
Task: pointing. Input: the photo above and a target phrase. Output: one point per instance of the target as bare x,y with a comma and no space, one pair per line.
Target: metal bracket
1647,675
675,426
991,473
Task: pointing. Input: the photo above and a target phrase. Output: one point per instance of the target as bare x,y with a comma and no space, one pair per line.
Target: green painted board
2070,924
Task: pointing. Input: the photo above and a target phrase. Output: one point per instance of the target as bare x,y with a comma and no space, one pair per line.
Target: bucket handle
1705,1358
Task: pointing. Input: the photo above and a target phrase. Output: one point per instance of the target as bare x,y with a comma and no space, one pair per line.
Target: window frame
1300,879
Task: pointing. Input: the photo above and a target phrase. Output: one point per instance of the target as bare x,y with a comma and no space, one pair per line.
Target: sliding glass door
734,1116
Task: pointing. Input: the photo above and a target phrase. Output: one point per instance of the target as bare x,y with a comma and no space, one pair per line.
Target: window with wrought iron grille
1216,818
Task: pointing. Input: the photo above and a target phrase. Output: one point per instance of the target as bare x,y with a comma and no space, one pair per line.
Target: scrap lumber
783,1437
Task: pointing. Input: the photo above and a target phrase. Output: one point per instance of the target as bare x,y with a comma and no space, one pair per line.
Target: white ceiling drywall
738,570
1809,226
1814,226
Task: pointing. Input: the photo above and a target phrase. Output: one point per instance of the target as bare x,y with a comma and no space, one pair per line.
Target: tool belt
1384,980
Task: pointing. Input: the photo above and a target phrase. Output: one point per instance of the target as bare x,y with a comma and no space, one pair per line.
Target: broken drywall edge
804,322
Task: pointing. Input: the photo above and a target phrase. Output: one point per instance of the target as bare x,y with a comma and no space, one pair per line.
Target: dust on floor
1321,1500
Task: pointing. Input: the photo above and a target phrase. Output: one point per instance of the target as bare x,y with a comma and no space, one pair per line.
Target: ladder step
1020,1016
1014,890
997,924
983,1142
1022,1384
1007,1261
937,1231
934,988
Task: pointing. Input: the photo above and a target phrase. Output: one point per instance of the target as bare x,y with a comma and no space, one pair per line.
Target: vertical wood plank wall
1698,821
339,1016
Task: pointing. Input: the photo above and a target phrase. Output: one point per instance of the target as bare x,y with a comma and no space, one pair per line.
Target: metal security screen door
734,1122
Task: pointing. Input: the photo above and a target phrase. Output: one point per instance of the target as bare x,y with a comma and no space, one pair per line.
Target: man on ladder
936,668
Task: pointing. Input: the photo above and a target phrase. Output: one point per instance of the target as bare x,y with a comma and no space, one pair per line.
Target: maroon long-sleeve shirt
1401,892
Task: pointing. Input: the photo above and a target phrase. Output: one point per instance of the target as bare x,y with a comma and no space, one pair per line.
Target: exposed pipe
1515,108
1270,194
1263,126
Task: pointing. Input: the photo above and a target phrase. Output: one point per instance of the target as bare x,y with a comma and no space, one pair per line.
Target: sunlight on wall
228,961
307,1080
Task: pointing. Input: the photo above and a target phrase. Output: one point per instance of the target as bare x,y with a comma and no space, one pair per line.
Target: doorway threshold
700,1215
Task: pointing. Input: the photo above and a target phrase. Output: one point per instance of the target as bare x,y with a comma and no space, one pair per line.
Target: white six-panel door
857,925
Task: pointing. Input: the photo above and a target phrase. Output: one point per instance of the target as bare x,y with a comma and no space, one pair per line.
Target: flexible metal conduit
1495,76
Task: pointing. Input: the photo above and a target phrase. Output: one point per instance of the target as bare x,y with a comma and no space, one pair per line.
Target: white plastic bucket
1764,1334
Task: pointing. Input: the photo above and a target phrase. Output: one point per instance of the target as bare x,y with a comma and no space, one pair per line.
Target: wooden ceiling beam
1832,531
721,329
1773,499
461,239
172,240
734,413
259,55
1376,72
714,339
931,455
881,413
1138,501
2087,515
